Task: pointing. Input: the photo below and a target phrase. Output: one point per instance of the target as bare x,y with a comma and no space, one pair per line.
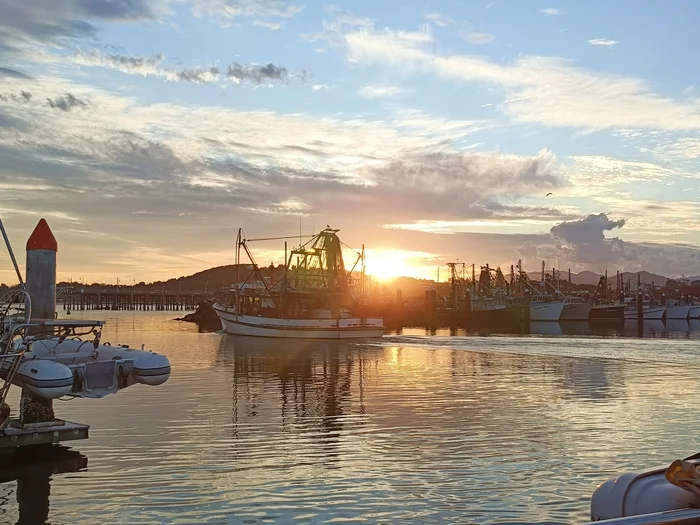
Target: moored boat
542,309
649,311
575,309
694,312
607,312
313,299
676,310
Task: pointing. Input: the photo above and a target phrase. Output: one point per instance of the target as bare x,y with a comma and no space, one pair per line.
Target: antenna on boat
12,254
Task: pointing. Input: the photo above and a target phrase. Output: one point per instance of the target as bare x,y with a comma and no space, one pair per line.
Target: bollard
41,286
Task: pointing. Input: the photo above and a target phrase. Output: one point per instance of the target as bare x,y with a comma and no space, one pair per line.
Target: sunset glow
388,264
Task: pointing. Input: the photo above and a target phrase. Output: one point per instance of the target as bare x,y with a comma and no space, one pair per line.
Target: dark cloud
44,21
66,102
196,76
586,231
13,73
23,96
256,74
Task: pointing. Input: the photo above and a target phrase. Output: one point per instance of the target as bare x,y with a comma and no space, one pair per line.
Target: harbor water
424,427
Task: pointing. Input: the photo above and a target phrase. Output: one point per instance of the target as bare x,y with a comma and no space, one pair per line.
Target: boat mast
12,254
238,271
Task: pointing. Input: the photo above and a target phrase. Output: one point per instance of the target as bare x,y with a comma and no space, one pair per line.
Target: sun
387,264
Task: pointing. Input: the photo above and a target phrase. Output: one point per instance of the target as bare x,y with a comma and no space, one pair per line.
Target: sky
148,131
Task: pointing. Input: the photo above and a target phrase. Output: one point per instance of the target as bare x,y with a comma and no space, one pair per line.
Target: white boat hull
349,328
546,311
575,312
655,313
694,312
677,312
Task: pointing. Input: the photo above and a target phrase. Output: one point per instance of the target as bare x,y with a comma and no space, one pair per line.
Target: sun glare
388,264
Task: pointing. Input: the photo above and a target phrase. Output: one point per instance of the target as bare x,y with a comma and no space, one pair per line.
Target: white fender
151,369
44,378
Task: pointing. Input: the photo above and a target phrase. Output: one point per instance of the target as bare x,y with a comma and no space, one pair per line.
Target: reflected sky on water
428,428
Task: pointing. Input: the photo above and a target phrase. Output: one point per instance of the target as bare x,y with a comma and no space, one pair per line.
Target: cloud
605,42
8,72
66,102
272,26
152,66
686,148
378,91
320,87
39,21
595,175
256,74
196,76
552,11
210,161
23,96
587,231
440,19
535,89
125,64
478,38
247,8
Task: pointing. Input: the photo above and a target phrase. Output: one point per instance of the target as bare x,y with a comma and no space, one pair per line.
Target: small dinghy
664,494
95,370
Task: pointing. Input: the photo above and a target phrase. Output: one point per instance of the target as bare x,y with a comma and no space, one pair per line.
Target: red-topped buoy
41,271
42,238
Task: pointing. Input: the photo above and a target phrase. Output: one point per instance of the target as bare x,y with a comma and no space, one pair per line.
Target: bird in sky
550,193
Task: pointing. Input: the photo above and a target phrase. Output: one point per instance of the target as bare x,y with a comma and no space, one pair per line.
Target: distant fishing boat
575,309
607,312
313,299
546,308
694,312
650,310
677,310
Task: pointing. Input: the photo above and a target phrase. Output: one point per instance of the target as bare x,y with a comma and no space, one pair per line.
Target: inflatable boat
653,496
53,367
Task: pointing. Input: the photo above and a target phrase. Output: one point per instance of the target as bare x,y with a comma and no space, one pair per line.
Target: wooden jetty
129,300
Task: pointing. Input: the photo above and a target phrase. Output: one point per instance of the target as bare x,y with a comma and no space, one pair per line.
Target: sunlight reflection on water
414,427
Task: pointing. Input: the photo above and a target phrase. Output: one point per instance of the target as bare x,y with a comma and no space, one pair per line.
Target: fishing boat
677,310
650,310
546,308
575,309
314,298
607,312
694,312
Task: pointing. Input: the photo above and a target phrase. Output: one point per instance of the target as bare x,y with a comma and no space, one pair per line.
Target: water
416,427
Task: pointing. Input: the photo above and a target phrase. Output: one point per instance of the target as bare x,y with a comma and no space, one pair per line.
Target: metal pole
12,254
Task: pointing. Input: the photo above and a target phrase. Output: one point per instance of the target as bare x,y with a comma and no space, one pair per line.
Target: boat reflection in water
33,469
671,328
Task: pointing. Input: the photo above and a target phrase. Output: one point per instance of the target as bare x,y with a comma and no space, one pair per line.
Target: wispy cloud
440,19
320,87
380,91
478,38
539,89
605,42
152,66
552,11
272,26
